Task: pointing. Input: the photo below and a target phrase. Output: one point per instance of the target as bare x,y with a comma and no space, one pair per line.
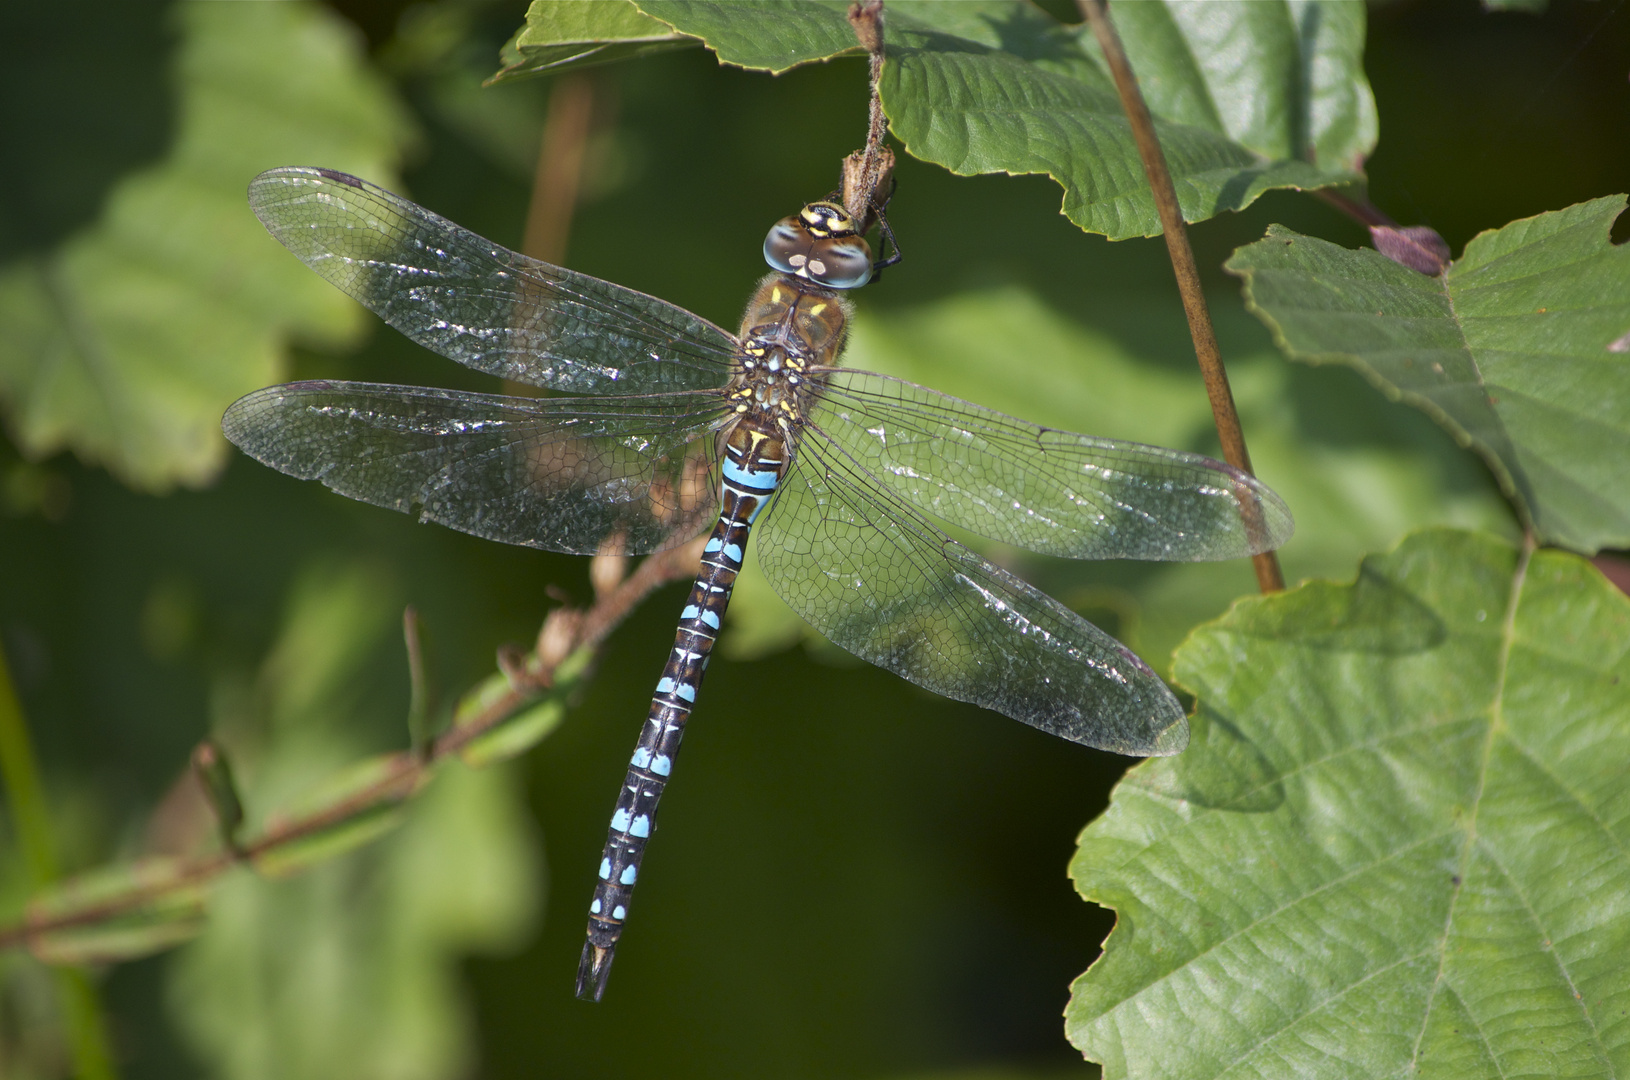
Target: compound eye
787,246
841,263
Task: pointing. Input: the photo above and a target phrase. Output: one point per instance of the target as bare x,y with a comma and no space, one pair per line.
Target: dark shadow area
88,98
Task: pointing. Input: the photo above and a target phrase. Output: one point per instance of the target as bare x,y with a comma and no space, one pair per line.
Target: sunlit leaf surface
126,342
1522,349
1249,96
1397,844
561,34
1284,80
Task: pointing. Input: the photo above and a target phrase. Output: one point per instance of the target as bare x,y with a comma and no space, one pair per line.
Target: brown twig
1616,568
1268,574
656,571
865,175
557,179
405,772
1360,210
213,773
419,710
559,173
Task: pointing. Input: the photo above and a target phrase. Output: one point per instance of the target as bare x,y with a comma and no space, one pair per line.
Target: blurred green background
854,878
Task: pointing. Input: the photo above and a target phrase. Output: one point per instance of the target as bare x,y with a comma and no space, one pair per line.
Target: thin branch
559,174
418,683
1360,209
1268,574
214,775
656,571
873,167
557,178
565,632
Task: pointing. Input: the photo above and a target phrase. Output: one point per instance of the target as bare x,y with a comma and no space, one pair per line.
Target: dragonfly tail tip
593,970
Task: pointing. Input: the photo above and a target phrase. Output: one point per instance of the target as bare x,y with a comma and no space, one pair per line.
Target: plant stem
418,684
25,798
1360,209
1268,574
559,173
866,18
410,770
87,1031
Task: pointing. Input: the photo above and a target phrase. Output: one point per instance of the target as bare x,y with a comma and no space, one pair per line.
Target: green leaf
337,614
1397,844
127,342
1249,96
1522,350
767,35
562,34
351,968
1025,108
173,913
1284,81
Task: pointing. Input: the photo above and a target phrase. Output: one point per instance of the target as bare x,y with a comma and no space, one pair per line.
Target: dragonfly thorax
793,330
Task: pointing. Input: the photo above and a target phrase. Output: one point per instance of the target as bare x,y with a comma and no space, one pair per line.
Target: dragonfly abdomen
753,465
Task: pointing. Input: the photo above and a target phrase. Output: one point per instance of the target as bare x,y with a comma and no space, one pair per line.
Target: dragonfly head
820,243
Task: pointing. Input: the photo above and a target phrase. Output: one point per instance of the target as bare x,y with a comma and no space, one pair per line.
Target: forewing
483,305
877,579
1042,489
564,474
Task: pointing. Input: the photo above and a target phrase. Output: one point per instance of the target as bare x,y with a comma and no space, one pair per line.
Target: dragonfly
666,425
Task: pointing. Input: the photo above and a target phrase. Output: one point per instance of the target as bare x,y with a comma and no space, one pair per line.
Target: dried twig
868,171
560,167
564,633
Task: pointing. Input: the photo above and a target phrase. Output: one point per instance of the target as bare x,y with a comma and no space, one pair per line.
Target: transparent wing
485,306
562,474
868,572
1046,490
